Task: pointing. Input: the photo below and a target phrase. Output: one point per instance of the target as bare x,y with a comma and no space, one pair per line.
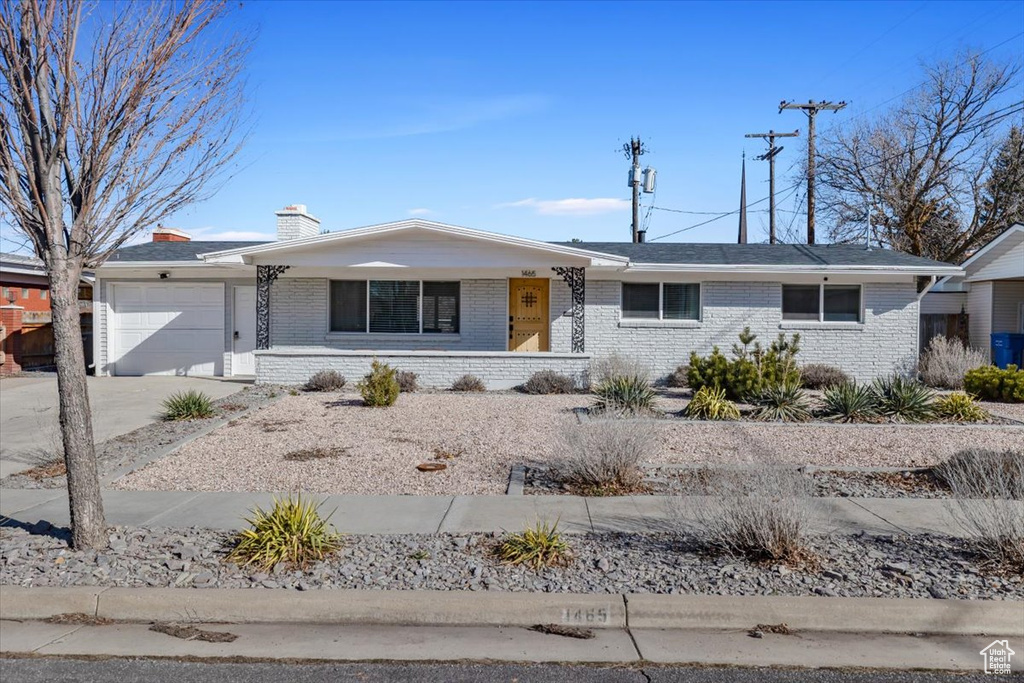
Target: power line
712,220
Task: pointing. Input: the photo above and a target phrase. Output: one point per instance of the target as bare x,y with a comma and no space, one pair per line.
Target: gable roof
173,251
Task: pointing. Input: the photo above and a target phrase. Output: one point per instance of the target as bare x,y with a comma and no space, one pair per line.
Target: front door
528,318
242,360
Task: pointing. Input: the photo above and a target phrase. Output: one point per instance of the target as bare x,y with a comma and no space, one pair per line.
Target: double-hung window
822,303
394,306
660,301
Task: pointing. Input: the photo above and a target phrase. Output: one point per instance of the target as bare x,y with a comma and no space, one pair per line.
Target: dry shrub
761,513
325,380
677,378
988,490
407,383
605,457
822,376
468,383
48,470
549,382
615,366
945,362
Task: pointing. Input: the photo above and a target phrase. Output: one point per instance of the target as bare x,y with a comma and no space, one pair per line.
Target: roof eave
809,270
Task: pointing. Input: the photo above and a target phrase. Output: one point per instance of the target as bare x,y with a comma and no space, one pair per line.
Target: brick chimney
293,222
162,234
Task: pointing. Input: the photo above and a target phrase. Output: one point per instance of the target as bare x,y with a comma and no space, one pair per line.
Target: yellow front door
528,314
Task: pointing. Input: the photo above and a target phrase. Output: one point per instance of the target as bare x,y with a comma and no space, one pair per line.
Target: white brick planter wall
437,369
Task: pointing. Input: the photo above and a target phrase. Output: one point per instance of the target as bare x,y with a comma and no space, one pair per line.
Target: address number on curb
586,615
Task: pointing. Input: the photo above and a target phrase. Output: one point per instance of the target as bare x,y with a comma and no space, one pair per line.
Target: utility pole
811,108
769,156
634,149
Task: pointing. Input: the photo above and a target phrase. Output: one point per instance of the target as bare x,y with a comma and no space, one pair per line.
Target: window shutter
394,306
348,306
441,307
681,301
639,300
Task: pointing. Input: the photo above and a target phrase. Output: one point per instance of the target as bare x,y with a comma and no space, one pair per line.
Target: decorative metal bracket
265,276
576,278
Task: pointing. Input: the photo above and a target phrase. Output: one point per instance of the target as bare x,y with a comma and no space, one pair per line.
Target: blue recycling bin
1007,349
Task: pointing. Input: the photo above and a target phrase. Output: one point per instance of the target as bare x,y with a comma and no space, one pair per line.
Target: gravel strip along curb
861,615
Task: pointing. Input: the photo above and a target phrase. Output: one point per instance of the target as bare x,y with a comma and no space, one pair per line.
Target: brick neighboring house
442,301
26,341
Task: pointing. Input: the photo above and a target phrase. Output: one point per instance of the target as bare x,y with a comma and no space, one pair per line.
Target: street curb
457,608
112,477
856,615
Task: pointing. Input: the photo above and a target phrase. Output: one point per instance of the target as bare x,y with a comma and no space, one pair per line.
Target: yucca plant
960,407
849,402
188,405
710,403
903,400
293,531
785,402
536,547
625,394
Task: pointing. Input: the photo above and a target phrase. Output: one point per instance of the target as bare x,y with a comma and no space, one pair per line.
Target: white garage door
167,329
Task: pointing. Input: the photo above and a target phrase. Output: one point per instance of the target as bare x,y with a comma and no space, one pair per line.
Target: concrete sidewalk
463,514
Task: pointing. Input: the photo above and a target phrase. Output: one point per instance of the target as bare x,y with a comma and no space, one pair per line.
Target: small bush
945,362
992,384
752,367
604,458
850,402
379,389
610,367
293,531
537,547
188,405
468,383
677,378
549,382
407,381
783,402
986,487
761,514
325,380
822,376
903,400
960,407
625,394
710,403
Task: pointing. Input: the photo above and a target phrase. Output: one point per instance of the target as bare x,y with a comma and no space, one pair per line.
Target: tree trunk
88,526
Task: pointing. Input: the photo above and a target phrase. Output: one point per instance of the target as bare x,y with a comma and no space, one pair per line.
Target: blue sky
508,116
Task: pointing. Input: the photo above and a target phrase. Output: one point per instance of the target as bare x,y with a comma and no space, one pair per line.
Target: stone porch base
435,369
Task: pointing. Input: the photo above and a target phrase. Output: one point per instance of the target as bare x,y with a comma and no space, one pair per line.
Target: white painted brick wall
437,370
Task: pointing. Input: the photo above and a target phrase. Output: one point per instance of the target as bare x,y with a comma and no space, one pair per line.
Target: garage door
167,329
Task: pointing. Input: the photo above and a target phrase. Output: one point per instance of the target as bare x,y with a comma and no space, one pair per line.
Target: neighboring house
990,291
443,301
25,300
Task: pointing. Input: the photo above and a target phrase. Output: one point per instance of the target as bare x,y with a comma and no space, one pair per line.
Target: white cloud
572,206
419,212
212,234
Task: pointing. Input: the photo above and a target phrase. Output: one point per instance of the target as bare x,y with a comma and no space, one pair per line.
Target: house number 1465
585,615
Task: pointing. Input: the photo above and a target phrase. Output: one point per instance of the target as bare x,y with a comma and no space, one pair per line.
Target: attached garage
166,328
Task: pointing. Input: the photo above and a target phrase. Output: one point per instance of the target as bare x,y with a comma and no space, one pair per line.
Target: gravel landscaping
866,566
135,447
329,443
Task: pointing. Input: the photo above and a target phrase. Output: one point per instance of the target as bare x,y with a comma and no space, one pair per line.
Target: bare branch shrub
945,362
988,502
761,513
605,456
614,366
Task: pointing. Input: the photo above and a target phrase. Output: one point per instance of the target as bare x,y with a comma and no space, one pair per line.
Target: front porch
434,369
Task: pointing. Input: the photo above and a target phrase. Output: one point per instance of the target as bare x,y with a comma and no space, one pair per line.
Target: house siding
979,305
1007,296
886,341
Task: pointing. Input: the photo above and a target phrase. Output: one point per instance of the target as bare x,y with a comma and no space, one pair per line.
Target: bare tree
113,116
925,165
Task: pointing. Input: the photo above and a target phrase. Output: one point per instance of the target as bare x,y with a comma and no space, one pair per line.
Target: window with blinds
348,306
640,300
680,301
800,302
841,303
441,307
394,306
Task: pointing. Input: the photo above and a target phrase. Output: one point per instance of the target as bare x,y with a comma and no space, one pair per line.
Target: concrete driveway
29,428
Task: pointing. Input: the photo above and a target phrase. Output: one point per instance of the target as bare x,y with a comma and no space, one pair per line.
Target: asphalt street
53,670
